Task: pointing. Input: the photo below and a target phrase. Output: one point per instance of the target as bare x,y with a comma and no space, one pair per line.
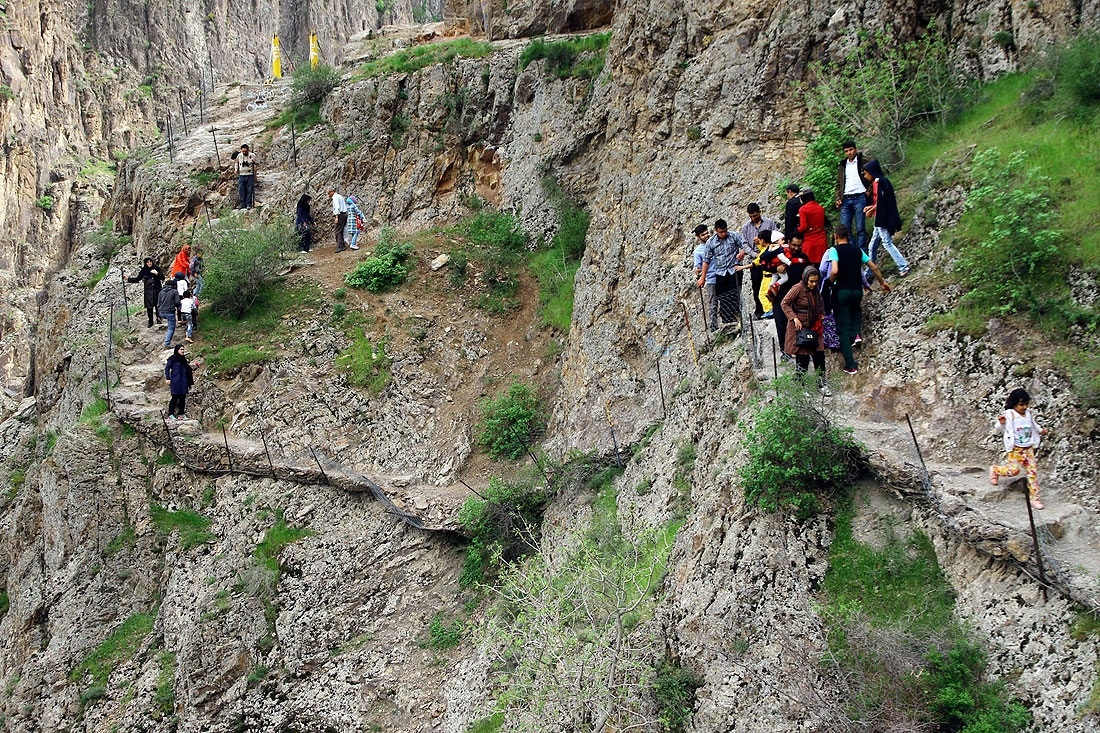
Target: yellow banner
314,51
276,58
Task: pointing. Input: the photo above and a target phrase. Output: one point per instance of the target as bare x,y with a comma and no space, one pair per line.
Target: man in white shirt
340,216
851,193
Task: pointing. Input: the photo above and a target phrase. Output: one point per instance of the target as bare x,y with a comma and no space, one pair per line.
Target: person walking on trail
851,193
750,232
168,302
884,207
304,223
804,310
182,263
710,299
355,222
847,261
796,265
811,225
179,376
790,211
151,279
187,313
339,217
1021,434
724,252
246,177
196,271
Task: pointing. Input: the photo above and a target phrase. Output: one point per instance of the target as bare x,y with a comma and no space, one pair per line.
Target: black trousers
728,290
780,324
756,274
802,363
341,225
177,401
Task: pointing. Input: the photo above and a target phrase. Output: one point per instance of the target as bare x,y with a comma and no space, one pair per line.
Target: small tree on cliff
240,261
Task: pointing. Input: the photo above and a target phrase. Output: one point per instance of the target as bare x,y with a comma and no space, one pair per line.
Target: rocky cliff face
690,121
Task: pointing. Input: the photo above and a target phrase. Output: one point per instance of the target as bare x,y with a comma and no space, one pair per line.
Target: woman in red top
811,222
182,263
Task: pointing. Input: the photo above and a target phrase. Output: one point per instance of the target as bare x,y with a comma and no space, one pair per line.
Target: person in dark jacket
303,223
847,275
804,310
884,207
799,263
168,303
151,278
851,193
790,211
179,376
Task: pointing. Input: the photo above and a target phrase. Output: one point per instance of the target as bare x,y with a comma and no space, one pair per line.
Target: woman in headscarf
182,263
303,223
811,222
151,278
179,376
355,222
804,311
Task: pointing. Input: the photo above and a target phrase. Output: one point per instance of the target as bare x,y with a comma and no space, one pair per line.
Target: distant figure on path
355,222
339,217
168,302
1021,434
884,207
851,193
196,271
151,278
179,376
303,223
246,177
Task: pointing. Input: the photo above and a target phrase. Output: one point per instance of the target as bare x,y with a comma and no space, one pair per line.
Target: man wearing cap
851,193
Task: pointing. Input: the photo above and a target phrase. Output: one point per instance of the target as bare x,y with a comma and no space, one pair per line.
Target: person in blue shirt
710,300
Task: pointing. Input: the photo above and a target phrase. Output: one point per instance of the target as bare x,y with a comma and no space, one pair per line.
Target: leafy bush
311,86
510,422
823,155
674,689
365,364
444,634
241,261
556,268
1078,68
502,524
883,88
278,536
45,203
385,268
1010,251
794,455
579,58
165,695
494,230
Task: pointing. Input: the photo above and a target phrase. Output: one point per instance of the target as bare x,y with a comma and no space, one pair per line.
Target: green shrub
962,701
365,364
226,360
278,536
97,276
192,526
278,310
1083,369
6,93
794,455
385,268
5,602
494,230
164,697
501,525
46,203
556,268
1008,214
674,690
311,85
1078,68
511,422
579,58
124,540
241,261
444,634
823,155
118,647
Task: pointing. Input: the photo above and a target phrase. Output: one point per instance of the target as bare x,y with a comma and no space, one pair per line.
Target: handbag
805,338
359,223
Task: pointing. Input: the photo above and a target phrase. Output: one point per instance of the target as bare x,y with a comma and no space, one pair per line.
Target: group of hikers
170,302
814,291
347,218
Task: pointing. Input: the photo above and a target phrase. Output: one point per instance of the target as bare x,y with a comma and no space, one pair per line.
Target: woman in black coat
151,278
179,376
303,223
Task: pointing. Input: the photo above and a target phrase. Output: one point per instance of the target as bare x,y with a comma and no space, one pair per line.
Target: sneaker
767,316
904,272
1036,504
354,246
993,477
172,418
181,416
853,370
340,249
857,340
826,392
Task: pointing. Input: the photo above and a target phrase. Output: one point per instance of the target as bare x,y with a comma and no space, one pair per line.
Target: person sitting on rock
151,279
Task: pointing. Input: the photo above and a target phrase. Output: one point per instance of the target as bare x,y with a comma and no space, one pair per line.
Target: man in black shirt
790,211
847,276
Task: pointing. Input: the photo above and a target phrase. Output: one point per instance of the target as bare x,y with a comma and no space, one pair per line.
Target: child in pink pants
1021,437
